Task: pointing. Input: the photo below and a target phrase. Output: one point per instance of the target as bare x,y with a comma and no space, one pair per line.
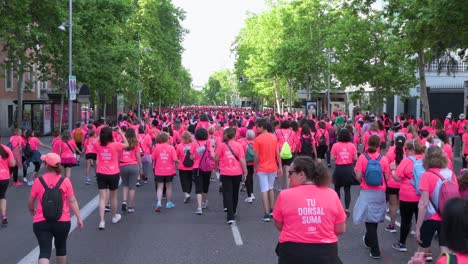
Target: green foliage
221,88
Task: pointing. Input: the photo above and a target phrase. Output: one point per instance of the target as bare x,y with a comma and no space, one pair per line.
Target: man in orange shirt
267,165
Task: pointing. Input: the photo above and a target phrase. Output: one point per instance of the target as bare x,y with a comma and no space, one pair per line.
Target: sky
213,26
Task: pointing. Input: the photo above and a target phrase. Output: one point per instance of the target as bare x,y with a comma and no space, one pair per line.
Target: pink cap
52,159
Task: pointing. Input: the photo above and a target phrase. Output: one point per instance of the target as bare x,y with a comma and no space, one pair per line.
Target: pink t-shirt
33,142
319,134
344,152
65,150
181,151
89,145
4,167
228,164
405,172
164,157
198,147
56,142
465,141
448,151
37,191
16,140
361,166
129,157
309,214
108,157
428,183
145,143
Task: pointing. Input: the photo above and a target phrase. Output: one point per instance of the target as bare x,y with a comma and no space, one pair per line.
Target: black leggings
249,180
37,166
14,171
371,239
347,192
202,181
231,194
407,210
186,180
45,231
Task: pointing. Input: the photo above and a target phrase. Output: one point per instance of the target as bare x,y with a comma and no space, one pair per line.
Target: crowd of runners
402,166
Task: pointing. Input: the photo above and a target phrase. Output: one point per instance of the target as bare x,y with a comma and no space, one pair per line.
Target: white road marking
236,234
33,256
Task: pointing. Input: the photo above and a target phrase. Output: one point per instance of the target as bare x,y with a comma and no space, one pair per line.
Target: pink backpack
207,163
445,190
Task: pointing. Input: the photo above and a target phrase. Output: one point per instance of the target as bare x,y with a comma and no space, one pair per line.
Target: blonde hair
162,137
187,137
211,130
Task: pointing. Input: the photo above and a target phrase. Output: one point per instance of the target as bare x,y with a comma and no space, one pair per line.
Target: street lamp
70,61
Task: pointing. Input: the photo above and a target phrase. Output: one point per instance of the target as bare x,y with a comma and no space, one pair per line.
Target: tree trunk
19,109
277,96
423,88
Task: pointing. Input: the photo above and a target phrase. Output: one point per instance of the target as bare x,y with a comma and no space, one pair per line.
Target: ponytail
3,153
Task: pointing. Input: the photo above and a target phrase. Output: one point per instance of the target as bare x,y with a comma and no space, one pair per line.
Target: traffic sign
72,87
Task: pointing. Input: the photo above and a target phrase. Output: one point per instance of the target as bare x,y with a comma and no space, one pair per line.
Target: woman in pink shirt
35,157
164,164
409,197
230,157
464,150
145,144
185,164
395,155
309,216
46,230
286,134
7,161
90,153
447,148
429,219
344,153
107,172
16,143
249,159
371,204
66,151
322,138
130,166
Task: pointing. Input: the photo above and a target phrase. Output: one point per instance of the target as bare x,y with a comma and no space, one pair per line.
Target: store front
37,115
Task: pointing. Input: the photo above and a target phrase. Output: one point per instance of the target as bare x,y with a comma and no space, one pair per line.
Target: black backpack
188,162
28,152
306,148
322,140
52,202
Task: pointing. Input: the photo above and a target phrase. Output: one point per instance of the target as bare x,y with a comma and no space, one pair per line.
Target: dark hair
3,153
191,128
130,135
78,125
442,136
305,130
399,146
424,133
322,125
203,117
434,158
155,122
294,126
261,123
66,135
373,144
201,134
55,170
285,124
91,133
344,136
141,129
229,134
106,136
455,225
313,170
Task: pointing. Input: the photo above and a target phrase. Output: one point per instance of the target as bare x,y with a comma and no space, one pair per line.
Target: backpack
249,157
286,152
322,140
52,202
418,170
28,152
445,190
451,258
188,162
306,148
373,175
78,137
207,163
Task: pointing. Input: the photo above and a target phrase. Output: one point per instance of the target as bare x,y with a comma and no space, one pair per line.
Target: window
9,80
44,85
10,116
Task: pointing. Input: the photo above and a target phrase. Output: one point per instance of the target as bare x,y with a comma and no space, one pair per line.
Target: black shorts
201,180
287,162
91,156
428,230
3,188
163,179
105,181
79,145
302,253
45,231
321,151
392,191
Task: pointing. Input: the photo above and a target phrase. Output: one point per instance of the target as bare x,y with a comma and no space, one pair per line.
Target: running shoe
145,180
108,208
271,212
212,179
390,228
253,196
124,207
248,200
364,242
375,256
199,211
102,225
187,198
138,184
225,210
131,210
88,181
428,257
4,221
25,180
170,205
158,207
266,218
400,247
347,212
30,183
116,218
230,222
329,165
205,205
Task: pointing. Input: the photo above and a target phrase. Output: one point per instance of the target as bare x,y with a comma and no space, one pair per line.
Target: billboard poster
311,108
338,107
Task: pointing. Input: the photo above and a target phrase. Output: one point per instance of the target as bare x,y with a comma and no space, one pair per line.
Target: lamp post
70,64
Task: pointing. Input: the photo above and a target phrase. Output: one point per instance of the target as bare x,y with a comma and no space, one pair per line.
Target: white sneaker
205,204
252,196
102,225
116,218
248,200
30,183
199,211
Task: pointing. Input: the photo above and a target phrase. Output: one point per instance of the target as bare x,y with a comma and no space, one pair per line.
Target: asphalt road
175,235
